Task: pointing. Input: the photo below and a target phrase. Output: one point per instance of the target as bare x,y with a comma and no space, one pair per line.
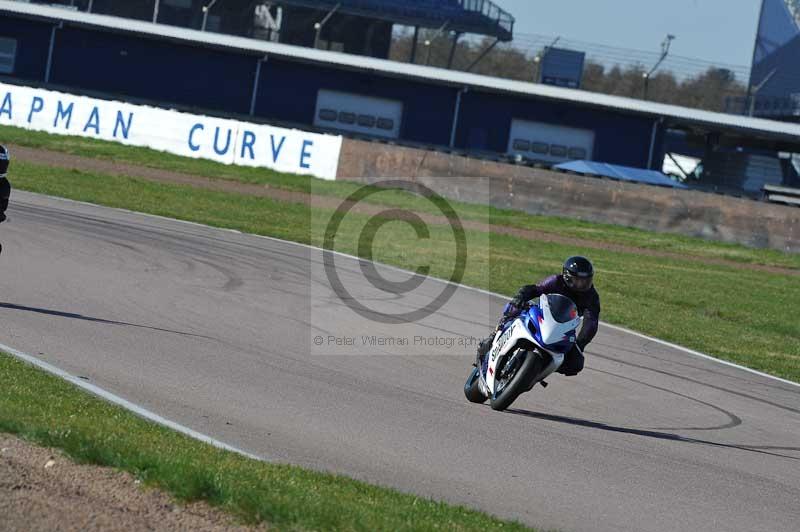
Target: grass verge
736,315
51,412
602,233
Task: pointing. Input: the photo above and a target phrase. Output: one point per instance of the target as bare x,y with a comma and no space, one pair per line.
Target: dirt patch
41,489
105,166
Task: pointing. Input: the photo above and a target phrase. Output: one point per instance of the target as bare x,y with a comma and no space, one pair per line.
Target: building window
366,121
521,145
329,115
385,123
541,148
8,53
347,118
558,151
577,153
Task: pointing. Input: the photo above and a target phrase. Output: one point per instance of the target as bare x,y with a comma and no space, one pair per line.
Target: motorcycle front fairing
536,325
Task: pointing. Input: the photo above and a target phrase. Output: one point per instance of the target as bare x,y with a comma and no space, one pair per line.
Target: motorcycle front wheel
472,389
517,382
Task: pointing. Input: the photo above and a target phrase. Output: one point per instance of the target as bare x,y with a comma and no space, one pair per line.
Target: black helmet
578,274
4,158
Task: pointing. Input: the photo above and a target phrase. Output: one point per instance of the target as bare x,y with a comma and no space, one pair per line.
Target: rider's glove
510,311
514,307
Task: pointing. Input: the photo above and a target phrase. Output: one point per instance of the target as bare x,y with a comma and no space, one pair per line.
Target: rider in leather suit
575,282
5,187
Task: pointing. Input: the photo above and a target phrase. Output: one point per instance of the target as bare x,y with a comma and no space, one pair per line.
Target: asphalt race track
217,331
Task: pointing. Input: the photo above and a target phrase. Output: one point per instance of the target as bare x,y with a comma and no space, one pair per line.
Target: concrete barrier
537,191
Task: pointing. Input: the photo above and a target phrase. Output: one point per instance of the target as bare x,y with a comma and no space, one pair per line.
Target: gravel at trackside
41,489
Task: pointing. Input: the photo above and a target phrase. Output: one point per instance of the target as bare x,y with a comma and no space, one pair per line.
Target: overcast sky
721,31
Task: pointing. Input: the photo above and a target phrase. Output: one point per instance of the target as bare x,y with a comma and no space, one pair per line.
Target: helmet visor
580,284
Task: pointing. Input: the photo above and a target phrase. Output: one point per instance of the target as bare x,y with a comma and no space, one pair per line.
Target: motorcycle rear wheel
519,382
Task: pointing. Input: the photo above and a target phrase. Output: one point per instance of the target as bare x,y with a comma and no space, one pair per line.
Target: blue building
366,97
775,75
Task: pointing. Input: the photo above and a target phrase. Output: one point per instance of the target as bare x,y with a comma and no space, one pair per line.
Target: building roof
757,127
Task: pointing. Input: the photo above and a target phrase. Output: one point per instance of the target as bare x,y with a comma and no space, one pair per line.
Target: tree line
711,89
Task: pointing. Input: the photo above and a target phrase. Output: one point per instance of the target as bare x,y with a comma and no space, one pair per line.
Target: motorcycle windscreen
562,308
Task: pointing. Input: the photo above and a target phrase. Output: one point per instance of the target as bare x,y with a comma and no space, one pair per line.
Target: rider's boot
486,343
483,348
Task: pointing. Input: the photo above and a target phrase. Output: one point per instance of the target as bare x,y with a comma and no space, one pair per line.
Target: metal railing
490,10
472,14
785,195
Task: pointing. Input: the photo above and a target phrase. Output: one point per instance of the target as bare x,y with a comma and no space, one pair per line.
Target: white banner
227,141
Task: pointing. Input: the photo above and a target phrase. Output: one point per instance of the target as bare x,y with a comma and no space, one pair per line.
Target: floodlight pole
319,25
414,45
206,9
155,11
453,49
428,42
483,54
552,44
664,53
89,8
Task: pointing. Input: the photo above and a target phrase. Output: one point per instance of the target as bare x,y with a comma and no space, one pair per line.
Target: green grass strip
738,315
51,412
601,233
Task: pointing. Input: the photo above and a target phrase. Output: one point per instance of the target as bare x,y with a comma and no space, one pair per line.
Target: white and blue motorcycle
525,351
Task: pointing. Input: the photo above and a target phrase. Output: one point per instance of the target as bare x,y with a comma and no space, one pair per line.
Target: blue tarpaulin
625,173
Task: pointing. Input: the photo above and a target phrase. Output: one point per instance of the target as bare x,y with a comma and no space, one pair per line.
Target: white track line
127,405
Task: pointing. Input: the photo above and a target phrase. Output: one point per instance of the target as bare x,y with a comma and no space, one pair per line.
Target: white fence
203,137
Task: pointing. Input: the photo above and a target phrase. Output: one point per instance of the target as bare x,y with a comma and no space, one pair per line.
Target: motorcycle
525,351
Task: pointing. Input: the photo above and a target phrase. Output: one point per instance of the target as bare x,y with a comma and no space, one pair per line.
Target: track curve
215,329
